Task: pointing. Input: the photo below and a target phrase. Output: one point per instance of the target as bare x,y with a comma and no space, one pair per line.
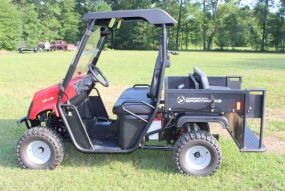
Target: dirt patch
274,114
273,143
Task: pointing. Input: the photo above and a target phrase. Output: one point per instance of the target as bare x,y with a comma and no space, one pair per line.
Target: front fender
36,111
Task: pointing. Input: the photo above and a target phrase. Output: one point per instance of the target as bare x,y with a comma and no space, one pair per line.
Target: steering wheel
98,76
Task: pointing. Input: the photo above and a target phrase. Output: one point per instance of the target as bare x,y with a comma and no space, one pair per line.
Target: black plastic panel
251,142
98,107
77,128
235,128
130,130
202,100
256,106
246,140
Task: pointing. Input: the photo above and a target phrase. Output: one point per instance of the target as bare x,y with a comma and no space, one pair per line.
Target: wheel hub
38,152
197,157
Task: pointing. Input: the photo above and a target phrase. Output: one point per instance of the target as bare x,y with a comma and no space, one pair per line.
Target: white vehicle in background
44,46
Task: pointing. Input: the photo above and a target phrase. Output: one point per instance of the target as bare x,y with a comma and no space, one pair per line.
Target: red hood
46,99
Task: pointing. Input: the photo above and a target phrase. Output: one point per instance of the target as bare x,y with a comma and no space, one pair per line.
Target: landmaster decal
183,99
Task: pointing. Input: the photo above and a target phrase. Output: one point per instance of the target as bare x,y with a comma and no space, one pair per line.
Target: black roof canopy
153,16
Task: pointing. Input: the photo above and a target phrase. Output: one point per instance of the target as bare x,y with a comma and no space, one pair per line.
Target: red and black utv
181,120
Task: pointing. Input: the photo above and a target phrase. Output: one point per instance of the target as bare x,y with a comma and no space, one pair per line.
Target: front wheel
197,154
40,148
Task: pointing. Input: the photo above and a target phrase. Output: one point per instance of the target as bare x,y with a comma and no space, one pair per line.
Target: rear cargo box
224,97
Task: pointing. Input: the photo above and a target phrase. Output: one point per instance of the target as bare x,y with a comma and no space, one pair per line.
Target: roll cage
157,17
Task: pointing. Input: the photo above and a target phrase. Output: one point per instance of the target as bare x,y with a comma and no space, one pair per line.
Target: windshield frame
100,45
91,51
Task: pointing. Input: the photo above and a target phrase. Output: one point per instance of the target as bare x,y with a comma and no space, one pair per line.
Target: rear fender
200,119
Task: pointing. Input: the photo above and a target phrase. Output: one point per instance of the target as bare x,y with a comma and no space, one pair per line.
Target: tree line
202,24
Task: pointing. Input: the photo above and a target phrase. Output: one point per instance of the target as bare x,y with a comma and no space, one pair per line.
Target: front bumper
23,119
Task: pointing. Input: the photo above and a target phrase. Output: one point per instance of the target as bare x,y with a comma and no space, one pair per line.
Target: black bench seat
135,97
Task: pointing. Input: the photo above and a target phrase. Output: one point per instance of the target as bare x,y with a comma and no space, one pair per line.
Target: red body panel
46,99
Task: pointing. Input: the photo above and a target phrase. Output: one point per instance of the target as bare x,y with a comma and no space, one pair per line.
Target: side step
154,147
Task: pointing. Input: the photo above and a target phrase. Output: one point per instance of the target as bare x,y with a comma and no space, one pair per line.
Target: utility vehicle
180,121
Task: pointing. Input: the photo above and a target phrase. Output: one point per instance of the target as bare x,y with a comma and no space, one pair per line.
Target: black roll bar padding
141,85
132,113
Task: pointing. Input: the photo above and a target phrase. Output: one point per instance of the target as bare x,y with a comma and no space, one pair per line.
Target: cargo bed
198,94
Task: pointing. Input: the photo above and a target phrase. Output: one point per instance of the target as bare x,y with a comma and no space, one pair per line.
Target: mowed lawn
23,74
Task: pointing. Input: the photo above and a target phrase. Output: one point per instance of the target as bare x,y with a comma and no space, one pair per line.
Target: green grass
23,74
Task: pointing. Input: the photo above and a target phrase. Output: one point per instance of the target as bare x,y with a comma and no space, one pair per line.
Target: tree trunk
186,40
178,25
264,36
204,25
181,40
209,42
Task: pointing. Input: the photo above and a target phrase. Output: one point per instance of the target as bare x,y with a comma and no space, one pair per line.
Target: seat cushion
131,93
134,96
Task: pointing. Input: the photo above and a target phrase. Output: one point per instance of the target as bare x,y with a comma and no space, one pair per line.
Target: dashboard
84,85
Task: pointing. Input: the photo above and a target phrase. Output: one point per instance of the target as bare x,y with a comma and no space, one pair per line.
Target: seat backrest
156,76
202,78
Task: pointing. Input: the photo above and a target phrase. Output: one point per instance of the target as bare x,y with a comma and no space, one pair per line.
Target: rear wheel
40,148
204,127
197,154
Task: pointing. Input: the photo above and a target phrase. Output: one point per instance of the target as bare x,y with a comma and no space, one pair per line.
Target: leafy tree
275,31
204,23
262,11
69,20
232,26
10,25
84,6
31,26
